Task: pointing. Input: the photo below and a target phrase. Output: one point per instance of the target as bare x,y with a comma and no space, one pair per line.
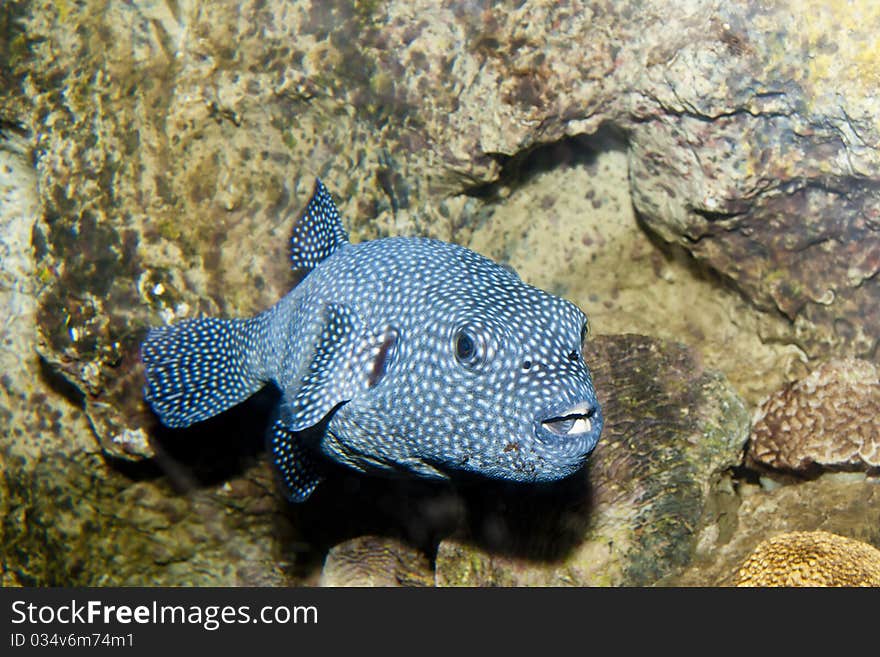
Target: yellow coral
816,558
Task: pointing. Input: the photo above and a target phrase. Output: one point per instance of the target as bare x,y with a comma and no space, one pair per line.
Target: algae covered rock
94,528
631,517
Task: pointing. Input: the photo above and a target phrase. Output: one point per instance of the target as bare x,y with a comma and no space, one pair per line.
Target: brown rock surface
739,519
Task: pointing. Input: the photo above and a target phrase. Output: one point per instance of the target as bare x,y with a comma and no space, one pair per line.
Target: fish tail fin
199,367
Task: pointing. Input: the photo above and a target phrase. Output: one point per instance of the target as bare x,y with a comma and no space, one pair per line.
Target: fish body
398,355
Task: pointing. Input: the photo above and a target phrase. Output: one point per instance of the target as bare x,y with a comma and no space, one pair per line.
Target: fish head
480,373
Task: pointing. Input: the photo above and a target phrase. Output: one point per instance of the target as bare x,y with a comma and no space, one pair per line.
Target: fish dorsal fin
319,231
347,359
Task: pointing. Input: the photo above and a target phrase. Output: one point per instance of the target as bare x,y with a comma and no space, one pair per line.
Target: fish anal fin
298,470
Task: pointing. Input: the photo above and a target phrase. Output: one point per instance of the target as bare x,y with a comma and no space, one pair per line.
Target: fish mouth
574,421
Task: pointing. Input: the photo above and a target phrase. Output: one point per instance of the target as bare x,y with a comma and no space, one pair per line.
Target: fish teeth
581,425
571,424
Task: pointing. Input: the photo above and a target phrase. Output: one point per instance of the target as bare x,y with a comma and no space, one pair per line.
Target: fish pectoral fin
298,470
377,354
327,381
347,360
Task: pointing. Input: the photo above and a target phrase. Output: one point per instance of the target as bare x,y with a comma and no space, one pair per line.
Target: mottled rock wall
91,527
772,133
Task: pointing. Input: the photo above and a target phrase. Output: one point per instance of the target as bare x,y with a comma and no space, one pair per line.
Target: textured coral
376,561
815,558
831,418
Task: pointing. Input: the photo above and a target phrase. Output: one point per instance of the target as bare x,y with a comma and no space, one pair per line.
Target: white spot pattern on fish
404,355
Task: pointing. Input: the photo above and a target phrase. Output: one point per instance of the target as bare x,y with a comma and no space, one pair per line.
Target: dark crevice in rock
134,471
519,168
205,454
714,216
500,517
505,518
848,187
688,110
58,382
744,474
9,126
808,472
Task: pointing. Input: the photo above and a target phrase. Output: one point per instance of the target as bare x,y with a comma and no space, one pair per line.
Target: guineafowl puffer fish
402,355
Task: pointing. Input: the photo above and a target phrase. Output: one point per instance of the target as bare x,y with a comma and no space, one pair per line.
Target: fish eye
464,347
467,348
585,333
575,354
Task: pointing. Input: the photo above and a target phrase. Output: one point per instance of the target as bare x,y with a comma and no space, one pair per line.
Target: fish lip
580,416
573,425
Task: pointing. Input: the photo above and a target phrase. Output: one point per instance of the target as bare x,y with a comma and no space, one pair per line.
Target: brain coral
814,558
376,561
830,418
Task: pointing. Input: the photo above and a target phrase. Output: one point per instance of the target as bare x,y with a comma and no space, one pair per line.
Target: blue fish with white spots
399,355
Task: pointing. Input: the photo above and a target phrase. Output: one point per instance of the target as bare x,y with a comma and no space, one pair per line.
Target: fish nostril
527,365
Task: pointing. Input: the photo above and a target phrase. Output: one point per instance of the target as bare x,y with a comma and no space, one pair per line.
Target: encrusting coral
815,558
831,418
